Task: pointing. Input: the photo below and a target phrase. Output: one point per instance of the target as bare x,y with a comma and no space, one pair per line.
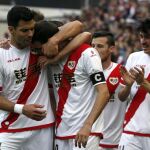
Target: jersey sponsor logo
58,78
20,75
97,77
12,60
71,64
113,80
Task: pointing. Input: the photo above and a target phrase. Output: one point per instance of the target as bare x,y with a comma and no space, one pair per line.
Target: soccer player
113,114
26,117
81,94
136,133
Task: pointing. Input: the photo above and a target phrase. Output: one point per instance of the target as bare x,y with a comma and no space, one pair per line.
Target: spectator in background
116,16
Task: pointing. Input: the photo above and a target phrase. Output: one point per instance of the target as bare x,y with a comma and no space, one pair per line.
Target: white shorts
93,144
133,142
29,140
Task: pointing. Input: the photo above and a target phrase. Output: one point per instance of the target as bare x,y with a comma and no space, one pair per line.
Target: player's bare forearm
146,85
68,30
79,39
100,102
6,105
33,111
124,92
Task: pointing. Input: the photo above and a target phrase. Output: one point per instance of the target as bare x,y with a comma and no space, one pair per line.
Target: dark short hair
17,13
43,31
108,35
144,26
38,16
57,23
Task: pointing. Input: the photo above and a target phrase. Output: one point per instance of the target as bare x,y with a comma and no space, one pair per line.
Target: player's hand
50,48
43,61
82,136
127,78
5,43
137,74
54,59
34,111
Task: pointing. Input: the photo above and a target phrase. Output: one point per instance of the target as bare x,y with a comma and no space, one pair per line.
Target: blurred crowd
121,17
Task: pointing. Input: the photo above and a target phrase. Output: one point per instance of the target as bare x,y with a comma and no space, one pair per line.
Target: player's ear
11,29
112,49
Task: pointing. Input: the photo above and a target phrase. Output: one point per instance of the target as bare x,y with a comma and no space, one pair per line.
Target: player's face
23,33
36,47
145,41
101,45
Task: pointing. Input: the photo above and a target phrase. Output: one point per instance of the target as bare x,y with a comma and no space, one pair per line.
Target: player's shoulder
135,54
90,52
2,51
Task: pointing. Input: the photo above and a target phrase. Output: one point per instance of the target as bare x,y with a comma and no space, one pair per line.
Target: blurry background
118,16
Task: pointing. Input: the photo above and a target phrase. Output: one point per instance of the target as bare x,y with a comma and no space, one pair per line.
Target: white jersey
113,114
74,79
137,120
22,82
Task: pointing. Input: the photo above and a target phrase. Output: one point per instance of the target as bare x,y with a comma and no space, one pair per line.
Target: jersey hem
108,145
137,133
28,128
73,136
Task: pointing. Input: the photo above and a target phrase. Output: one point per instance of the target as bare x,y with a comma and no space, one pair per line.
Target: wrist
54,39
128,86
143,82
18,108
88,125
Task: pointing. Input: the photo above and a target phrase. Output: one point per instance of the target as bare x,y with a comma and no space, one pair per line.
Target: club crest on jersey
71,64
113,80
92,53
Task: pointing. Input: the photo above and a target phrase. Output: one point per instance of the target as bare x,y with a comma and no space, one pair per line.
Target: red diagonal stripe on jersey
114,74
137,100
30,84
65,86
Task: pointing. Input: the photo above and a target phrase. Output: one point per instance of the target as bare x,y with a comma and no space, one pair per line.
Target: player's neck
106,64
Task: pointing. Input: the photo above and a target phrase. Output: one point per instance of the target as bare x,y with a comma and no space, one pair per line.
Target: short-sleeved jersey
113,113
22,82
74,81
137,120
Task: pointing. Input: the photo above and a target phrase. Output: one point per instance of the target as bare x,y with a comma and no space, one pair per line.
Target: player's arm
79,39
128,82
146,84
138,75
68,30
32,111
6,104
124,93
100,102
